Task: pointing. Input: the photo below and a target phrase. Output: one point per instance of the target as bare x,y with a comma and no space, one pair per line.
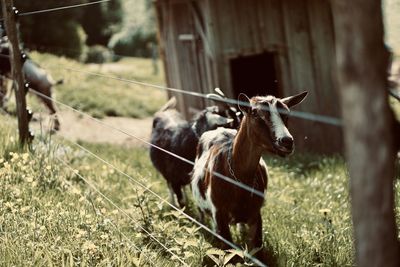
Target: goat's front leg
171,195
255,231
222,228
255,234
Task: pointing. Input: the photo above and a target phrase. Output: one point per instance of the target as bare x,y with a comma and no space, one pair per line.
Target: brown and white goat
237,154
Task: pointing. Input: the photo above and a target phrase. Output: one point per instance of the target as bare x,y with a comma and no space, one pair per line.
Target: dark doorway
255,75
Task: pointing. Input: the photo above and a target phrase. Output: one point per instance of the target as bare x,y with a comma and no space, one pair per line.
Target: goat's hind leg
178,192
171,195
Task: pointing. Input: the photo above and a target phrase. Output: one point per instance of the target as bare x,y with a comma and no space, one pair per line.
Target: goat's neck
245,153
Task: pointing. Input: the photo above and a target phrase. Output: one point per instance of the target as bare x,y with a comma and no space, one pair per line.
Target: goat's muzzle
284,146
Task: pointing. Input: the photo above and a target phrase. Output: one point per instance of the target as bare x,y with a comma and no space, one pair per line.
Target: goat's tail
60,81
169,105
52,81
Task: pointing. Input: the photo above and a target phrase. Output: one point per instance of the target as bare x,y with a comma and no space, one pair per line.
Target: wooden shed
258,47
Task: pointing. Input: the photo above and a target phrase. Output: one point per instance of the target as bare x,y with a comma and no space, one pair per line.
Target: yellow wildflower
25,156
104,236
25,209
89,246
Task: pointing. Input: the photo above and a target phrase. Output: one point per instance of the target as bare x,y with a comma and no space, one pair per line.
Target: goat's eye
284,117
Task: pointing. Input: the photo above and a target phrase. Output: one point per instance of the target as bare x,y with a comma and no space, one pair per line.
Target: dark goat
38,79
227,110
237,154
175,134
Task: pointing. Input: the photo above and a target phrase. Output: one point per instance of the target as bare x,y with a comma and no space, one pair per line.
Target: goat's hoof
56,126
54,129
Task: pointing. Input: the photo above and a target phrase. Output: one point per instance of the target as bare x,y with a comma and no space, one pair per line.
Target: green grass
306,217
101,96
50,216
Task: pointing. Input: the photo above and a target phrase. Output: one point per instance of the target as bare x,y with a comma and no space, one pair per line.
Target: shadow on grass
304,164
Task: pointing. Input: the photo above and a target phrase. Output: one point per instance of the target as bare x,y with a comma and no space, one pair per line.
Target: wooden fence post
368,129
16,67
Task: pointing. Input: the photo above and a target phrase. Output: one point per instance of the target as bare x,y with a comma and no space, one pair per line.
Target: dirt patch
76,127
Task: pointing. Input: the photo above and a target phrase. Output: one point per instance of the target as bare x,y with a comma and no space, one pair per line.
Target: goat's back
172,133
37,77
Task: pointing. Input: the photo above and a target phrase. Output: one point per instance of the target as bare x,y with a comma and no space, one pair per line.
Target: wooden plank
204,49
222,29
242,22
322,38
162,38
309,134
209,33
187,58
281,47
172,54
298,42
16,68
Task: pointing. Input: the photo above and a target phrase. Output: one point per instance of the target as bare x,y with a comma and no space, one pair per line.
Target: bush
137,43
98,54
69,40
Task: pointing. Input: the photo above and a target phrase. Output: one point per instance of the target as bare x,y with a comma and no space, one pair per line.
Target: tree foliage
67,32
101,21
138,34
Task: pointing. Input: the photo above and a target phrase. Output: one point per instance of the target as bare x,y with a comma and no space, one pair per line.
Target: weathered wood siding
184,59
299,33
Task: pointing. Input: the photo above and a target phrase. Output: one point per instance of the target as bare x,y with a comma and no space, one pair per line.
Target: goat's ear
294,100
219,99
219,92
244,103
216,120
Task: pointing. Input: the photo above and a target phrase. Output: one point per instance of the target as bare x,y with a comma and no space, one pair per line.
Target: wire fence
294,113
90,184
219,175
302,115
116,227
139,183
34,12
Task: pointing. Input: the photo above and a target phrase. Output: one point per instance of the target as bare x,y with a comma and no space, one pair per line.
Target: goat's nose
286,142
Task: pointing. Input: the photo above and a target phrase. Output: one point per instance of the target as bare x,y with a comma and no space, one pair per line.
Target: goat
226,109
173,133
38,79
237,154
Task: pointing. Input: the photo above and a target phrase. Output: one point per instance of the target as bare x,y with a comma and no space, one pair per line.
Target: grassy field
50,216
101,96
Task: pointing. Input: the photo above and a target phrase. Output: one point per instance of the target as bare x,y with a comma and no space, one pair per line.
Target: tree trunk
368,129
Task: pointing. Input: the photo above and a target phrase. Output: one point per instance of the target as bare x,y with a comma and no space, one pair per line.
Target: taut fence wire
124,212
